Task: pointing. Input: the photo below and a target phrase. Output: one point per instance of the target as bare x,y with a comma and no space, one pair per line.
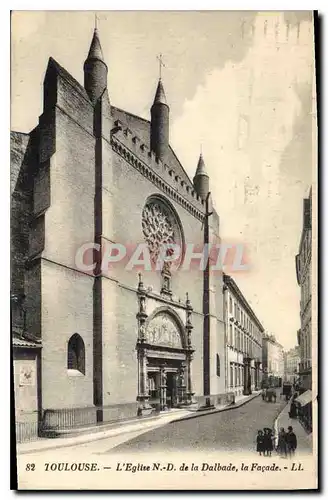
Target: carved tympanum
163,331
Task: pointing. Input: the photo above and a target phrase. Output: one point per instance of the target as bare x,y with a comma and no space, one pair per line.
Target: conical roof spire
95,51
160,97
201,169
95,70
201,179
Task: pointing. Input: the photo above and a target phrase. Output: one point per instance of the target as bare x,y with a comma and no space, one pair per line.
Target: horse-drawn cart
287,390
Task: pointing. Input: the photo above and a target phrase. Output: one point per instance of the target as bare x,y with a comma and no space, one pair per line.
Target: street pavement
225,432
233,430
229,430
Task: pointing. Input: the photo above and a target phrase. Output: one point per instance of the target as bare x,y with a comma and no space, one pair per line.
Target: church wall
67,305
128,230
122,359
60,299
126,214
70,100
69,221
67,295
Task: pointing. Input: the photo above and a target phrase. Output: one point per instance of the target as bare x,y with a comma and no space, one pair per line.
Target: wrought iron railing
62,419
26,431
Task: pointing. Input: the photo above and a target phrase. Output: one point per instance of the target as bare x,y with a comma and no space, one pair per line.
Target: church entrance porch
165,354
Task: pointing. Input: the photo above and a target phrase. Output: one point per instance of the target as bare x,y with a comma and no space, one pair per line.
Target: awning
304,398
23,342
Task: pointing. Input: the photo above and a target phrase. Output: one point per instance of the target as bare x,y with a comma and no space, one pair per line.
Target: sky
239,86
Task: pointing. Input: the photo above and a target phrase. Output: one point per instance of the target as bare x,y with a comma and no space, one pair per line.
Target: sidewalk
120,428
106,431
304,440
239,401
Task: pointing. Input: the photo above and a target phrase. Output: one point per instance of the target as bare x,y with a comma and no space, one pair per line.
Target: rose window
160,228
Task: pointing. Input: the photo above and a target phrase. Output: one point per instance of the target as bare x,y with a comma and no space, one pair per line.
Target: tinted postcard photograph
163,172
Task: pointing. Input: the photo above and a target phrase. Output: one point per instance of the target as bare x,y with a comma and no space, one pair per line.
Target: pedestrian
267,441
292,409
282,443
260,442
263,394
291,441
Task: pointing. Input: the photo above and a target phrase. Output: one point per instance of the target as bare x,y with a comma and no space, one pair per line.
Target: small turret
95,70
201,179
159,128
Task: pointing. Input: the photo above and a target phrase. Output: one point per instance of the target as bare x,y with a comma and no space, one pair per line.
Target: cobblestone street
229,430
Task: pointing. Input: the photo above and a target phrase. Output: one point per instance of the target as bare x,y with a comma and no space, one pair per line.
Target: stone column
181,385
190,395
163,404
143,395
189,351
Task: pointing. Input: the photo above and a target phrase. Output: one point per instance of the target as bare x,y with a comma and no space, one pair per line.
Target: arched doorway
164,362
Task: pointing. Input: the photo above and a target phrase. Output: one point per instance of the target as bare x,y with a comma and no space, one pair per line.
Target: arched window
218,365
76,354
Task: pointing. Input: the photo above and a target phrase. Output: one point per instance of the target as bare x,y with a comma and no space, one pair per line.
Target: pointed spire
95,70
160,97
95,51
201,179
159,127
201,169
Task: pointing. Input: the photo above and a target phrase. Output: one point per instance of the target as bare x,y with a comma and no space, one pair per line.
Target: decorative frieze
158,173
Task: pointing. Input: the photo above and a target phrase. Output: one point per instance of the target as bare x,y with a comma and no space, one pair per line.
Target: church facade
125,341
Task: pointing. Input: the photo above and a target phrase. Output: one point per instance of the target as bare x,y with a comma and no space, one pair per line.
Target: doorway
171,390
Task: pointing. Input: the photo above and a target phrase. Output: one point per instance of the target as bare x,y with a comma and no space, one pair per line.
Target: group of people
286,445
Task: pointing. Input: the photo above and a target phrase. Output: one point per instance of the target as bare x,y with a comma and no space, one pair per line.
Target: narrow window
76,354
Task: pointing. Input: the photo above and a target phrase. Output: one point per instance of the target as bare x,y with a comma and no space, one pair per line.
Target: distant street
229,430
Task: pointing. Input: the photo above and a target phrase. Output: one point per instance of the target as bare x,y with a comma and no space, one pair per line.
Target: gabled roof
54,66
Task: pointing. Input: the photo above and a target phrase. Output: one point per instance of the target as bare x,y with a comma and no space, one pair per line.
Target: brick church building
95,345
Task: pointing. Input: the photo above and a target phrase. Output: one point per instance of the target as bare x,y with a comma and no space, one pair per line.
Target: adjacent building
272,360
304,279
243,333
291,364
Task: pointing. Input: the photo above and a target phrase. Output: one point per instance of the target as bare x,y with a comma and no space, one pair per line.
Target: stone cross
161,64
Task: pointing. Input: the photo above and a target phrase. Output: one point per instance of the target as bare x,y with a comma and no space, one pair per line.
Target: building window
230,339
231,375
76,354
218,371
230,304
